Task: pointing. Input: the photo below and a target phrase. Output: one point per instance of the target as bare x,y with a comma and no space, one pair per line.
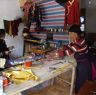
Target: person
4,51
78,47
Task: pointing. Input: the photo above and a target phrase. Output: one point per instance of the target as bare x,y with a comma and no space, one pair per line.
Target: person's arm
65,50
68,50
79,46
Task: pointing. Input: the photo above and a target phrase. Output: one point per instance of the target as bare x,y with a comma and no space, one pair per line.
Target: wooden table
45,74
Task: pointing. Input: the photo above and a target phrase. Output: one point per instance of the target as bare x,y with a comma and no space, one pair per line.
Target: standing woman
79,48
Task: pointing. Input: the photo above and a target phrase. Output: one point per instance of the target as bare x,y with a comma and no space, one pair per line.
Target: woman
79,48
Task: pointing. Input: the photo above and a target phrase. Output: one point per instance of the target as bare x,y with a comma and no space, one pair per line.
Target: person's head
2,33
75,32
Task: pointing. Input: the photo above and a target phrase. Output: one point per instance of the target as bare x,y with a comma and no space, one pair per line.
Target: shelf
29,40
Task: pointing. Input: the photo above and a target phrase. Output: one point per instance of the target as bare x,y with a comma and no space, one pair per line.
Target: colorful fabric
79,46
53,15
26,8
35,15
11,27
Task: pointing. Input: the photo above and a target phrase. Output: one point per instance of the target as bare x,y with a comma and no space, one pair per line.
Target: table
45,73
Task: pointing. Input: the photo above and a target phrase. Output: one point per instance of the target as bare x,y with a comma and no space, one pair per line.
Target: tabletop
46,71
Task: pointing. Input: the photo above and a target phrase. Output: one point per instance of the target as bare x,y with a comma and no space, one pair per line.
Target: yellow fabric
20,76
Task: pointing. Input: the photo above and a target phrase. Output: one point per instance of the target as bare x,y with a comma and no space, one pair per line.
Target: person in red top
78,47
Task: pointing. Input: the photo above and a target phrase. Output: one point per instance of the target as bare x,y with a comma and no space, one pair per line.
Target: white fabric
1,24
2,62
10,9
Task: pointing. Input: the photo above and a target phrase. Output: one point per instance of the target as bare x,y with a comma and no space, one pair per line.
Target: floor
58,88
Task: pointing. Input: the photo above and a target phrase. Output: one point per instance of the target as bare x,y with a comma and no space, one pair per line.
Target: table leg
72,80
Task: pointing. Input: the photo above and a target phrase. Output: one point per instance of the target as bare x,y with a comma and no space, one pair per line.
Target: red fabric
93,72
79,46
26,8
72,13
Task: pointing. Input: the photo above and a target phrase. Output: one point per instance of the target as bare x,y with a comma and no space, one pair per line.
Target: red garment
79,46
26,8
72,13
11,27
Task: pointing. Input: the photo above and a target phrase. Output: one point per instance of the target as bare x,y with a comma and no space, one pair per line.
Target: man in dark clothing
4,51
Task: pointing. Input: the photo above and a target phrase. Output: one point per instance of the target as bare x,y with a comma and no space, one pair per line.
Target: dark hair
76,29
2,32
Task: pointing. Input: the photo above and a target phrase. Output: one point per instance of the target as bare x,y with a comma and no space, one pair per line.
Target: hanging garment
10,10
11,27
35,15
72,13
26,8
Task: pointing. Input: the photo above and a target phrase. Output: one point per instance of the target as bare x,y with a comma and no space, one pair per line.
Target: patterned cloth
79,46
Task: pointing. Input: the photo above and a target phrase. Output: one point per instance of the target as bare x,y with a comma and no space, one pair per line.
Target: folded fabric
2,62
20,76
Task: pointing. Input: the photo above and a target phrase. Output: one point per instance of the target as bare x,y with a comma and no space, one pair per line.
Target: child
79,48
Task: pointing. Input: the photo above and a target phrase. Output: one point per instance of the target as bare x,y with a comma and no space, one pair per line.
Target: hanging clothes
31,14
72,13
10,10
26,8
11,27
35,17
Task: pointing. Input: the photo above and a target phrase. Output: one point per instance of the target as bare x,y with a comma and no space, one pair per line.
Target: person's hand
7,52
11,48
